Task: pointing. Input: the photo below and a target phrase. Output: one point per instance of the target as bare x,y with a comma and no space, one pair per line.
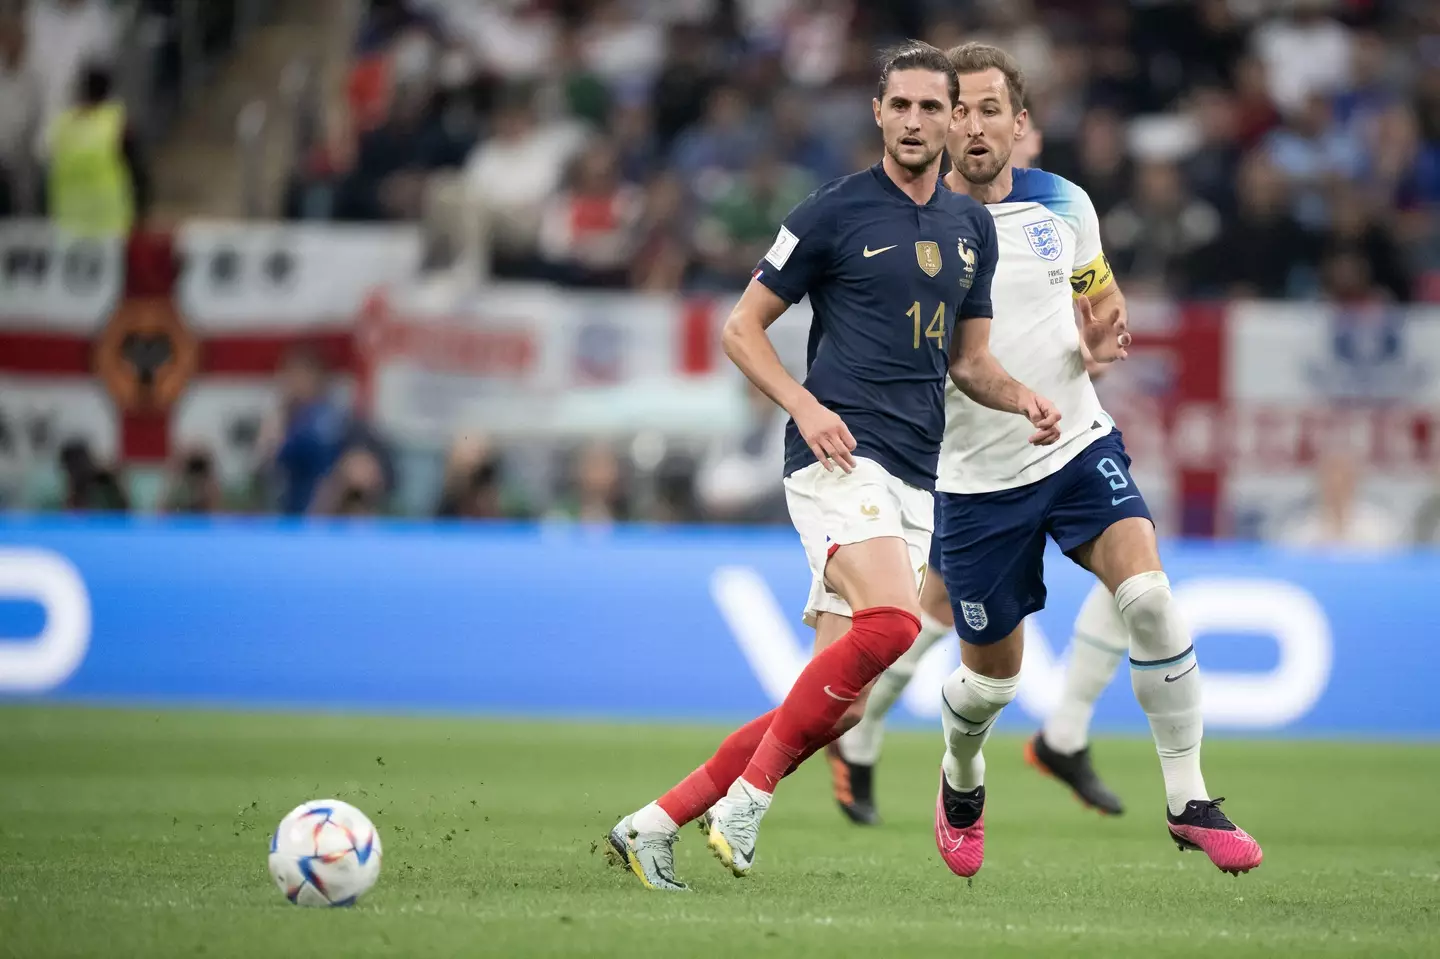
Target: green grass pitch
143,833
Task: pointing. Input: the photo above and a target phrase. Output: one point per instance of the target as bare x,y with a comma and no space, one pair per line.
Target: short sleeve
977,300
800,254
1092,271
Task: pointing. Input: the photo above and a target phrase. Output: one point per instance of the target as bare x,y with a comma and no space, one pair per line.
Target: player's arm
788,269
1101,313
1104,335
973,367
980,376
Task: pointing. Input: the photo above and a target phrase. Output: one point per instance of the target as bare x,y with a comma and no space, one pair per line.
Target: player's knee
850,718
996,692
1099,619
886,632
1145,601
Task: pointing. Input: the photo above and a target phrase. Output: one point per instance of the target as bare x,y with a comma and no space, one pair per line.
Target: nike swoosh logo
955,846
869,252
1117,502
1171,679
843,699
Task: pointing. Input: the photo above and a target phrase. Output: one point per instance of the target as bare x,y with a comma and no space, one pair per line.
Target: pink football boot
1203,826
962,847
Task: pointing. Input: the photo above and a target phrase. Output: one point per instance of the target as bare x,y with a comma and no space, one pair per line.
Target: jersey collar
888,185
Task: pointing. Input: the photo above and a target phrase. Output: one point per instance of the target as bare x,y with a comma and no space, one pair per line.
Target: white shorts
832,509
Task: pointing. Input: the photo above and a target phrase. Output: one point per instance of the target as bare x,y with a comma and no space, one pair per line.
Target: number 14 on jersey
935,330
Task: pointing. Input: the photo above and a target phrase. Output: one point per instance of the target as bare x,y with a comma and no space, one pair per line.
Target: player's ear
1022,124
875,106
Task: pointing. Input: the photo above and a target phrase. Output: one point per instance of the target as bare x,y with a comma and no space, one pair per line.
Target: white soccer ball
325,853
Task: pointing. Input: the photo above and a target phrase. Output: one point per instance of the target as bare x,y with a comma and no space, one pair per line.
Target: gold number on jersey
936,329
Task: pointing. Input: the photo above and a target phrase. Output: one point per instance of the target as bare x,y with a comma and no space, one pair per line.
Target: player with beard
999,496
897,268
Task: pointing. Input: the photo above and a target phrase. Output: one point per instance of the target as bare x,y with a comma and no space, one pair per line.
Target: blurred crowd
1272,148
1268,147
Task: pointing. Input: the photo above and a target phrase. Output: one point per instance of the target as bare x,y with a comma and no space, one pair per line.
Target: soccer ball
325,853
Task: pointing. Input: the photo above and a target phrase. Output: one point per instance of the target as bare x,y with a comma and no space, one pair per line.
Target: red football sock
826,687
699,791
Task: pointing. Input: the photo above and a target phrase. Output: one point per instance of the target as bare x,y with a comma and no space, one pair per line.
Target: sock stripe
1089,640
1161,663
969,722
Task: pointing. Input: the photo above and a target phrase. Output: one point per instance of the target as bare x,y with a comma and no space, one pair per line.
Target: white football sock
1166,679
971,704
654,819
861,745
1096,651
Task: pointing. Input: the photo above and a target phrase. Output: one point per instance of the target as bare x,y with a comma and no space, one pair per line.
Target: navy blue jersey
888,279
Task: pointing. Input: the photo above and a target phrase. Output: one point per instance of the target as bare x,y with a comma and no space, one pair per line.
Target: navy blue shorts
991,546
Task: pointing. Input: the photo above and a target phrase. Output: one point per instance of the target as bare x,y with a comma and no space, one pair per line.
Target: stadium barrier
634,622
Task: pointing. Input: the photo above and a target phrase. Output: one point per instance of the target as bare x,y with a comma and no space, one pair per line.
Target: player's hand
1042,415
1107,340
827,436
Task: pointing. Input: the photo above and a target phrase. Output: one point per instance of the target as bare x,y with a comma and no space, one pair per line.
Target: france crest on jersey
1044,238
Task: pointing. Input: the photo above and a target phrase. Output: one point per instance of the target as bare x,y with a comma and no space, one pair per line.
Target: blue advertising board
636,622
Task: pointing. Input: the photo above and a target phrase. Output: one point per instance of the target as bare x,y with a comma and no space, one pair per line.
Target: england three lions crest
1044,238
974,614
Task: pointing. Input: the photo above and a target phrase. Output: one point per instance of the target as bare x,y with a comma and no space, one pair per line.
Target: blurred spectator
385,20
71,34
1152,236
587,233
1117,77
815,42
1402,170
737,479
739,225
98,183
1212,168
304,438
1315,156
1306,54
663,251
392,160
632,128
1339,516
474,482
515,41
511,176
1211,44
1427,518
1354,232
356,487
623,50
595,494
722,142
1372,89
1255,113
89,485
1099,163
686,79
793,139
21,108
1260,252
1345,277
192,484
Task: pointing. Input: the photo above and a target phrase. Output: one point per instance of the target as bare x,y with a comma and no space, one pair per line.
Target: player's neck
992,192
919,187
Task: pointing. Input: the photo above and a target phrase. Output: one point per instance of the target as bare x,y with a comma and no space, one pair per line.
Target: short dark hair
96,83
979,57
918,55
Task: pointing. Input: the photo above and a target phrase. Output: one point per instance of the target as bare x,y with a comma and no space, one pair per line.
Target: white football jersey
1049,239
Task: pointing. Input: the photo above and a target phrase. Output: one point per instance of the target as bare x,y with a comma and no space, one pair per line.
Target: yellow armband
1092,277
